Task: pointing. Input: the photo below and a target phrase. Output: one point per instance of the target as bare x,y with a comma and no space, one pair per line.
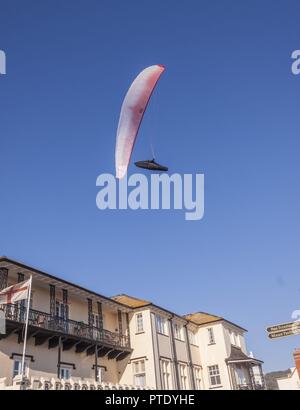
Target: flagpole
25,334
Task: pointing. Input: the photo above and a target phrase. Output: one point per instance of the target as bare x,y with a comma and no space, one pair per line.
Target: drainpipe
156,353
174,354
190,361
59,358
96,363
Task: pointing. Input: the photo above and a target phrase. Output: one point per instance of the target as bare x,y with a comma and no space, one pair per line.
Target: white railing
52,383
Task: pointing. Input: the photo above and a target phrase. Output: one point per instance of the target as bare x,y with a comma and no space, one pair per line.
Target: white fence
41,383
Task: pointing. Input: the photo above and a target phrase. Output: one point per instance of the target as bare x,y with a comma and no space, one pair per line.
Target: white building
78,339
292,380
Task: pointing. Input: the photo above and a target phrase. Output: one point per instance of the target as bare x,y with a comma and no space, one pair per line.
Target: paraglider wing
132,112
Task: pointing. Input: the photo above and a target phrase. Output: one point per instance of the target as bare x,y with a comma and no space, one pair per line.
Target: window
183,376
214,375
139,373
198,378
60,309
161,325
237,340
192,337
100,374
211,336
65,373
17,367
240,375
166,372
178,331
139,323
234,338
96,320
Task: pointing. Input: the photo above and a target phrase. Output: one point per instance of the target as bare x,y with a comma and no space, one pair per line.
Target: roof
131,301
54,279
238,356
136,303
289,375
203,318
125,301
198,318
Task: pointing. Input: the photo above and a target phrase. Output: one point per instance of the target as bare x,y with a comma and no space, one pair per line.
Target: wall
214,354
290,383
142,346
46,360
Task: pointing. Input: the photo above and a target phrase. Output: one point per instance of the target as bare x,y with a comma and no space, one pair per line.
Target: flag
15,293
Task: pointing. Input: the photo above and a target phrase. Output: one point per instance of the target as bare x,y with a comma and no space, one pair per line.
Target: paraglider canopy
132,113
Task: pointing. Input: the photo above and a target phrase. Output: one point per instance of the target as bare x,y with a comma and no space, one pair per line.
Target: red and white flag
15,293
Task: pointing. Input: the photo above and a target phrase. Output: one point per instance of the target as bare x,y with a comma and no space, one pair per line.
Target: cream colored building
166,346
226,362
196,351
78,339
74,334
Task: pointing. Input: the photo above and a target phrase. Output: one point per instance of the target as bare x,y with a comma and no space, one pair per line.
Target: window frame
183,376
214,376
166,374
178,332
161,325
100,374
65,368
211,336
235,338
198,377
18,359
192,338
139,372
139,320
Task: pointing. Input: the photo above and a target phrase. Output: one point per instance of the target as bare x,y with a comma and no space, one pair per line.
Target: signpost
284,330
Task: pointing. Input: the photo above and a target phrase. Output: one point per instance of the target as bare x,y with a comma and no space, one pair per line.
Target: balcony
249,387
69,333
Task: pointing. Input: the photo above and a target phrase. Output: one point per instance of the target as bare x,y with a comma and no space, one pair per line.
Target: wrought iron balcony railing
17,313
249,387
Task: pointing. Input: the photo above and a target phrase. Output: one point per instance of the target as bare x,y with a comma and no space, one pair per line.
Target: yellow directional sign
285,333
283,327
284,330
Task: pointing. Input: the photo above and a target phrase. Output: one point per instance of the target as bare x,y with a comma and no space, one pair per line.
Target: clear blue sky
227,106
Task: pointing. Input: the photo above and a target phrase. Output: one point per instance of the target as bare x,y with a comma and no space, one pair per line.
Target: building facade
196,351
78,339
224,355
166,346
292,381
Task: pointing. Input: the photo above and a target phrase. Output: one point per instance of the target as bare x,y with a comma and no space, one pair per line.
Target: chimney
297,360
